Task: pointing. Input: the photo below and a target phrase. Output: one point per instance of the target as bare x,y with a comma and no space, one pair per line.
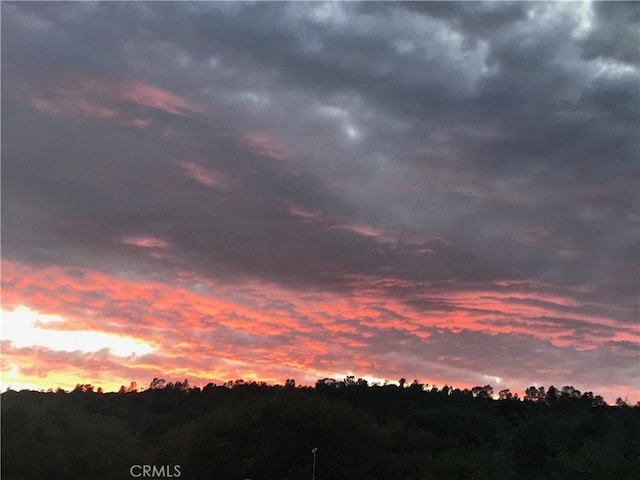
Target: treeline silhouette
250,430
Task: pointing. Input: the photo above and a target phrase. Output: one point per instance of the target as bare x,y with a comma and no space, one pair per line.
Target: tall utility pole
313,472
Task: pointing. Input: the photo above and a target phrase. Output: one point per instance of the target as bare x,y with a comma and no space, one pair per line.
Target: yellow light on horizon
24,327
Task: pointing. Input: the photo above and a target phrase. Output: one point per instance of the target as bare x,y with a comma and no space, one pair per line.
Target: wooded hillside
249,430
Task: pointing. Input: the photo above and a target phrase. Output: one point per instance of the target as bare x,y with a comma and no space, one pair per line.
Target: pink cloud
206,176
146,242
102,98
298,211
365,230
267,145
70,104
150,96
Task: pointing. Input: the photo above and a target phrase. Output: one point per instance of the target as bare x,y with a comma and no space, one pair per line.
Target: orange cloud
205,331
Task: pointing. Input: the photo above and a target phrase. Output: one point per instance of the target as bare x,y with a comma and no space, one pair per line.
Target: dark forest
344,429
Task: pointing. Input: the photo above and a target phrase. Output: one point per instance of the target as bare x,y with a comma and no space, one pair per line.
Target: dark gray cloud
616,33
434,146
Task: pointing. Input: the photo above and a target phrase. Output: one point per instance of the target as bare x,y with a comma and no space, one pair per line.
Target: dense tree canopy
252,430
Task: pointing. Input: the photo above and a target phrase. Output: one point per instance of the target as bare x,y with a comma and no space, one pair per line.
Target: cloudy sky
215,191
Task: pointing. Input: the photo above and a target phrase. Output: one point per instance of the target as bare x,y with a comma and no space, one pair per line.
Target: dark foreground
247,430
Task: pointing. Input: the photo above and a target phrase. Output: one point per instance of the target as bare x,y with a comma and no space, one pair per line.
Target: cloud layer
445,191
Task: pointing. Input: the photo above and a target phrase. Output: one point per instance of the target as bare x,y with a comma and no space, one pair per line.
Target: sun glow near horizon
26,328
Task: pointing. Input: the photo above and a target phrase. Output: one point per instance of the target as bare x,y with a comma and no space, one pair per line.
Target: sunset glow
386,191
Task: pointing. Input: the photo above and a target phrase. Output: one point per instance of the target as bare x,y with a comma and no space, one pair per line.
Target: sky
445,192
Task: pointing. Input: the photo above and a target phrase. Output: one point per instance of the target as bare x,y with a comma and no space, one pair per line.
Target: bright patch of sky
25,327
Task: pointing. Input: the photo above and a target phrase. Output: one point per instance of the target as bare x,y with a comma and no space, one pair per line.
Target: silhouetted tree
362,382
482,392
568,391
326,383
253,430
505,394
157,384
416,385
621,402
83,388
535,394
552,395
